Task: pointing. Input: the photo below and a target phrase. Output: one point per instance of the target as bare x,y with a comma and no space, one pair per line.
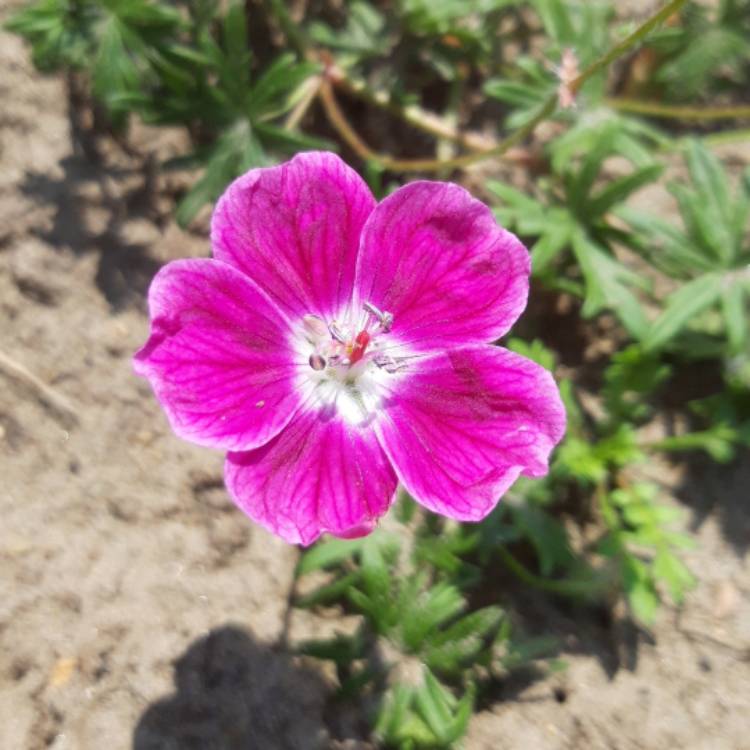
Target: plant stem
678,112
338,120
419,118
356,143
622,47
582,589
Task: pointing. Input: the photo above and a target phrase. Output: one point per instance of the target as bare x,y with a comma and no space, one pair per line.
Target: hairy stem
676,112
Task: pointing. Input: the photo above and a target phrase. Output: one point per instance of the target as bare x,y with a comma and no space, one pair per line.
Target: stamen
314,327
385,319
370,308
317,362
336,333
389,364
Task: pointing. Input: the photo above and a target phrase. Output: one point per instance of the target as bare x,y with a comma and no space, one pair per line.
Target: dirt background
139,609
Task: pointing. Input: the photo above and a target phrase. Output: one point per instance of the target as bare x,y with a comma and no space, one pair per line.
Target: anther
317,362
335,332
385,319
370,308
314,326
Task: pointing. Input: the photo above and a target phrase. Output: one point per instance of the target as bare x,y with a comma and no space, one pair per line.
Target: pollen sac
317,362
315,328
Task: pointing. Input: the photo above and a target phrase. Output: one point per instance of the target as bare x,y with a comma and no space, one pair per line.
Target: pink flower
335,347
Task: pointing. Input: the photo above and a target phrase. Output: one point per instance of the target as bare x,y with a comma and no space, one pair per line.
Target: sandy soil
140,610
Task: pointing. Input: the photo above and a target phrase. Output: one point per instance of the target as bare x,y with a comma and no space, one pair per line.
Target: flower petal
462,425
435,257
219,356
295,229
321,474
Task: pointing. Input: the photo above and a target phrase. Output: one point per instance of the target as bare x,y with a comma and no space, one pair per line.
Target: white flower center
348,363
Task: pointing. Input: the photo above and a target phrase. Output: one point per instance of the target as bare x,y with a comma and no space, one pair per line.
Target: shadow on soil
709,489
111,195
124,268
233,693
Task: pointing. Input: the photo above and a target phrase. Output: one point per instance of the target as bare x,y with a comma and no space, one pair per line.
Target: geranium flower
335,347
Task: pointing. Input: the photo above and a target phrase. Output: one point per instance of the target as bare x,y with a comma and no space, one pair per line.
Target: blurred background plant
569,109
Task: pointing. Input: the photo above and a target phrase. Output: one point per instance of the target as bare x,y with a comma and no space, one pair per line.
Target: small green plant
709,258
419,649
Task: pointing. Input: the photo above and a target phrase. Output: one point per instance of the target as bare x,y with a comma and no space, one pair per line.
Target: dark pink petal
462,425
321,474
295,229
435,257
219,356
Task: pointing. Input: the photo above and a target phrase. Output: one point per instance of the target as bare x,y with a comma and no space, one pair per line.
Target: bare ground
140,610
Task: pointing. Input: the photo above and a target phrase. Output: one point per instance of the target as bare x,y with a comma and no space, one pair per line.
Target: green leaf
328,554
643,601
606,281
639,589
670,569
426,611
546,534
434,703
682,307
534,350
620,189
735,309
341,649
581,182
555,239
330,592
461,643
235,44
664,245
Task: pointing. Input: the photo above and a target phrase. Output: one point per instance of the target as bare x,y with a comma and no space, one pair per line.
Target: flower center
349,362
339,347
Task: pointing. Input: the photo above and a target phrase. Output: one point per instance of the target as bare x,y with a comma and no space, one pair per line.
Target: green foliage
640,542
579,26
710,256
193,69
570,222
419,646
708,51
